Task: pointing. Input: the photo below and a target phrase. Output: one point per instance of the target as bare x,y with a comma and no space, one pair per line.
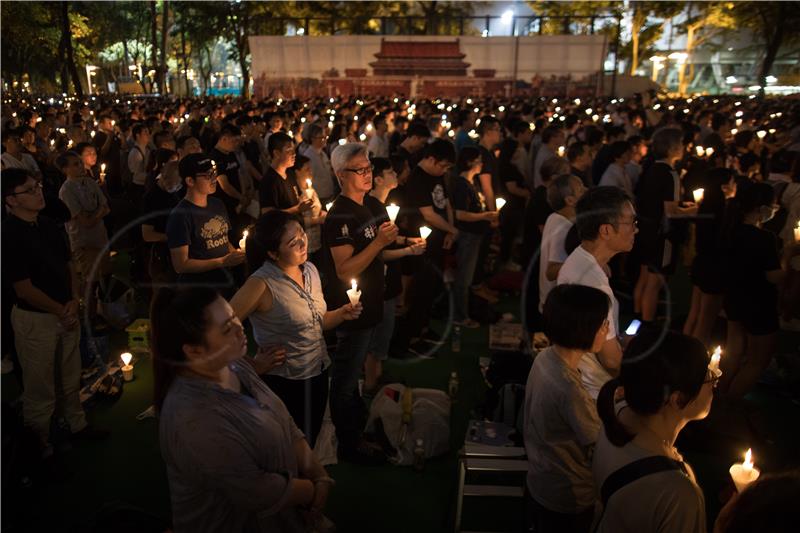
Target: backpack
406,415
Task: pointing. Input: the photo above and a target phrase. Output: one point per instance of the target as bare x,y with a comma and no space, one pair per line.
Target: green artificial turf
127,468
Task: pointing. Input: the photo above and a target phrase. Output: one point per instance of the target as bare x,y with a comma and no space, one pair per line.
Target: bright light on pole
658,64
507,16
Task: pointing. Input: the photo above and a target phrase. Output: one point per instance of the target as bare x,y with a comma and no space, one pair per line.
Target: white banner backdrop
542,55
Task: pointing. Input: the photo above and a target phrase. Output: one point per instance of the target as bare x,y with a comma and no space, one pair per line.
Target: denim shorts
382,335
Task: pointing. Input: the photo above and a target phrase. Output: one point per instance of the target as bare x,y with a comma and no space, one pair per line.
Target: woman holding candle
284,302
473,221
235,459
657,196
751,303
314,217
665,383
710,264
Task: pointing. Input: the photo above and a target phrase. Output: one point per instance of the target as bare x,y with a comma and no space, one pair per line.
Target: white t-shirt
552,251
617,176
581,268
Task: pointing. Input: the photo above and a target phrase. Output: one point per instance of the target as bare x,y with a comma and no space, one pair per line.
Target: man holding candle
430,206
230,187
356,230
277,189
198,228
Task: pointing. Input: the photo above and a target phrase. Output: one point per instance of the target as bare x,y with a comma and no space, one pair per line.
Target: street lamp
658,64
90,71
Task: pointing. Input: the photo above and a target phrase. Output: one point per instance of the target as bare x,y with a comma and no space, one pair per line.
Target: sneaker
6,366
91,433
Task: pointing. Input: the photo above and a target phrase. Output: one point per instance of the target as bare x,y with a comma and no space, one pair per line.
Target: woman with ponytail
284,302
642,480
560,418
235,459
751,303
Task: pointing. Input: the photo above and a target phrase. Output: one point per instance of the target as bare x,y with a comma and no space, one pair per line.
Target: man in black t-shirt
411,147
198,227
37,266
230,189
356,231
278,190
429,206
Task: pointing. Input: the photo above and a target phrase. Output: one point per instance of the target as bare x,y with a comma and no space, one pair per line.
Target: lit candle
342,142
761,134
797,232
309,188
698,194
92,134
353,293
69,144
392,209
52,143
700,150
328,206
561,151
715,358
709,151
772,131
744,473
499,203
424,232
127,367
243,240
734,131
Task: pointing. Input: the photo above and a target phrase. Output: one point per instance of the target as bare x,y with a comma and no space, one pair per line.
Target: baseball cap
194,164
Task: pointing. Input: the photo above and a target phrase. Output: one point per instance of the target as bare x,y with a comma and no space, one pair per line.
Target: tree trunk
62,52
774,41
66,35
162,65
244,49
634,49
154,44
185,61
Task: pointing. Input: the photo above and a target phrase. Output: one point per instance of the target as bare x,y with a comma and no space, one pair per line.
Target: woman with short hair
560,418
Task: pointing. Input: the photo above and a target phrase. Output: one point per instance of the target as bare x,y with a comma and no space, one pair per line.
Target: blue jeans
467,253
348,411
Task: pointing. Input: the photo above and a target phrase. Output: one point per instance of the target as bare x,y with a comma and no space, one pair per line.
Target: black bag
506,368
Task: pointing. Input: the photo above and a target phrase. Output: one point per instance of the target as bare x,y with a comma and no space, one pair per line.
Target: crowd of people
332,228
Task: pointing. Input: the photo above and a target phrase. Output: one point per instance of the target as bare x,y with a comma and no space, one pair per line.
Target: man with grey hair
356,230
563,192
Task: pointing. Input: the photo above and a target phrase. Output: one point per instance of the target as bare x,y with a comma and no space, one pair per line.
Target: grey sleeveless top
294,322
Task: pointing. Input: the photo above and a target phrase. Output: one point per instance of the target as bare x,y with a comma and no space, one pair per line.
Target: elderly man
357,229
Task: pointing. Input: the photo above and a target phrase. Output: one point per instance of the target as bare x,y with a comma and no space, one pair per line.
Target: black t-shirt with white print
349,223
425,190
203,229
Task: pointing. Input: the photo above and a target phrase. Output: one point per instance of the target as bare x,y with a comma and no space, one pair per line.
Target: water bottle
452,386
419,456
455,340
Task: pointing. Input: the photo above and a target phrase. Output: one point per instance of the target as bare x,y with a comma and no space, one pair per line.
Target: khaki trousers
51,370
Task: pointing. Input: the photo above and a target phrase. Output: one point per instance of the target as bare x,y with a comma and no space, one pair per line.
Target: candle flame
353,285
308,182
748,459
126,358
103,167
328,206
245,234
700,151
499,203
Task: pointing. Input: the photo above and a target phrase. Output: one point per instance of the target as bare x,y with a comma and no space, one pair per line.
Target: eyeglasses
32,190
210,176
363,171
632,222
